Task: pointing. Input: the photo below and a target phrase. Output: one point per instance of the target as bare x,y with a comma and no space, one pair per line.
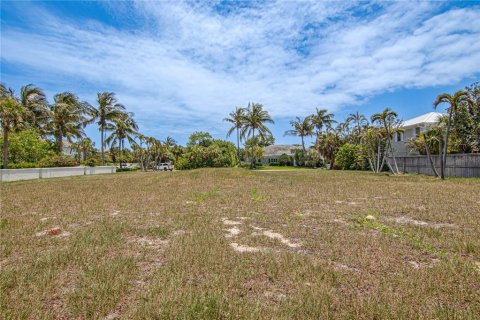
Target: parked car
165,166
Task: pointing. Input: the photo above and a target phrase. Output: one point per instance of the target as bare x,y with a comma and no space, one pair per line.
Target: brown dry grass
154,245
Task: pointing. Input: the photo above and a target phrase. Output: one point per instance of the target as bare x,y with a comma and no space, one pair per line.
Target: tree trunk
238,145
303,152
252,164
120,153
60,142
427,148
5,148
445,147
440,154
103,149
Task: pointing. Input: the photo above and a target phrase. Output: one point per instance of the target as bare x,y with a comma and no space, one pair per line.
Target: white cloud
191,64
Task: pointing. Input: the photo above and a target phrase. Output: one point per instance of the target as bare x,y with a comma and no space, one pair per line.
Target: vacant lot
230,243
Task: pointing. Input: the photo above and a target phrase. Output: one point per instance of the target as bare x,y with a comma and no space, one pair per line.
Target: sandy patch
241,248
232,232
115,213
345,267
420,265
149,242
338,201
228,222
274,235
407,220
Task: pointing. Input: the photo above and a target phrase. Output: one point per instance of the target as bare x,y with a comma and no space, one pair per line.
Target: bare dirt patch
407,220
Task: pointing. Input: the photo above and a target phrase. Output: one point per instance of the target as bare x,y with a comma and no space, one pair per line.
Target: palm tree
12,116
169,142
388,119
34,100
108,111
237,118
68,118
123,127
302,128
328,145
255,119
457,101
360,122
322,119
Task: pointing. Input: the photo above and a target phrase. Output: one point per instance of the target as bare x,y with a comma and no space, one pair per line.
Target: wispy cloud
192,62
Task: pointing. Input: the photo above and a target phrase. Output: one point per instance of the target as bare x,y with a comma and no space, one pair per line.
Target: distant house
273,152
67,148
412,128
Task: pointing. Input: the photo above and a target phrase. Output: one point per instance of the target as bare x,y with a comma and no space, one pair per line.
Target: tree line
364,143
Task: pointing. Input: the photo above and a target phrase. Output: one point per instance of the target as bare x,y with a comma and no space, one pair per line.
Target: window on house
417,131
399,136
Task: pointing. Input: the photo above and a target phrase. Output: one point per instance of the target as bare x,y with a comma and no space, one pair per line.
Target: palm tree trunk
5,148
445,147
440,154
60,142
103,144
252,164
238,145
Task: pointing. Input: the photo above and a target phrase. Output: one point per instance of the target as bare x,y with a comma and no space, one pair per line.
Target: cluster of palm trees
250,124
64,119
329,138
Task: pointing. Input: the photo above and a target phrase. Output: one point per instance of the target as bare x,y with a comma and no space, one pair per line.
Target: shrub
27,146
285,160
126,169
22,165
57,161
350,157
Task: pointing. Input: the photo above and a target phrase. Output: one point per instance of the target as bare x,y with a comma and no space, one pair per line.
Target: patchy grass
233,243
278,168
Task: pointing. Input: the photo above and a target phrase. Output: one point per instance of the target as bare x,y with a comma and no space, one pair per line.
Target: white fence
44,173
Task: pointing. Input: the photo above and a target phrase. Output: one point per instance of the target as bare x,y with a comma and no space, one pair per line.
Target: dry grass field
236,244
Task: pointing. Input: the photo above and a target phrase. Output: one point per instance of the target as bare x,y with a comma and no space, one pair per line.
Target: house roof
279,149
431,117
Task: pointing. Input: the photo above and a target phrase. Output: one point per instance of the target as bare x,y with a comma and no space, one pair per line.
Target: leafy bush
217,154
22,165
285,160
27,146
57,161
127,169
350,157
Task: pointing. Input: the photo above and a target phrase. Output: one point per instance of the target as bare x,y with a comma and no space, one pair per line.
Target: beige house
273,152
412,128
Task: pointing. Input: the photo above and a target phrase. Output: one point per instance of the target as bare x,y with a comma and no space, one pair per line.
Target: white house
414,127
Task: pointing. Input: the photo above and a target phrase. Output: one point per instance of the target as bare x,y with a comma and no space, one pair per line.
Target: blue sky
182,66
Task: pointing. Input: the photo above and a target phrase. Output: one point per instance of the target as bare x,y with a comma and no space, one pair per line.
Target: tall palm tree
237,118
12,116
34,100
360,121
169,142
455,101
388,119
123,128
322,119
302,128
83,147
254,122
108,111
68,117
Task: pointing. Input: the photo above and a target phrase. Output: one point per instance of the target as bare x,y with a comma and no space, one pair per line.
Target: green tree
122,128
255,120
33,100
108,111
388,120
360,122
458,100
322,119
12,116
68,118
237,119
201,138
302,128
28,146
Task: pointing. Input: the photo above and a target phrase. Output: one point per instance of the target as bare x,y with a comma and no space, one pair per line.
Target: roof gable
431,117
